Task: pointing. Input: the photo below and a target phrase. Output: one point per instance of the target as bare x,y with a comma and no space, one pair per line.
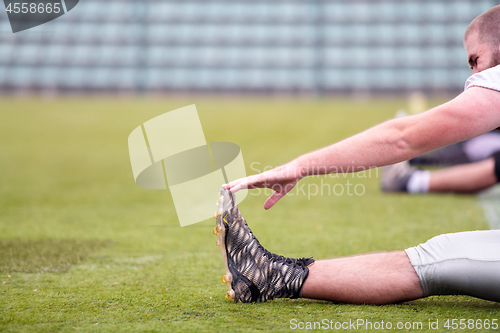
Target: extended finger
240,186
233,183
272,200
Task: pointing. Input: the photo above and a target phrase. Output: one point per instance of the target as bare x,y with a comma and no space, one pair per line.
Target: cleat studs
230,295
227,278
217,243
215,214
216,230
219,211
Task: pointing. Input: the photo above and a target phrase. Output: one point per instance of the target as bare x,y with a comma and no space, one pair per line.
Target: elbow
406,144
410,144
405,147
403,139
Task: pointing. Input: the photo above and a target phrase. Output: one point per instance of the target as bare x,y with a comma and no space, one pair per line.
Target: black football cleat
253,274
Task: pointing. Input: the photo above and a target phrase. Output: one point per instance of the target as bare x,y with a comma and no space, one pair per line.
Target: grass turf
83,248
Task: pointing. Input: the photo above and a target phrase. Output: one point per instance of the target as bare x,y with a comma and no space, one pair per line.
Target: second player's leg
465,178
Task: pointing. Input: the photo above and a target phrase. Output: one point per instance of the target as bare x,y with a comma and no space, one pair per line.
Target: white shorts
464,263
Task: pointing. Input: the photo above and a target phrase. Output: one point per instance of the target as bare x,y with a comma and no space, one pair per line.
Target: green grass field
82,248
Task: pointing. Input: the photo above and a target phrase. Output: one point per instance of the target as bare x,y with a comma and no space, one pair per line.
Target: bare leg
375,278
465,178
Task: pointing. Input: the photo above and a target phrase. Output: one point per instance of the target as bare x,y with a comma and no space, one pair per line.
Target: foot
253,274
395,177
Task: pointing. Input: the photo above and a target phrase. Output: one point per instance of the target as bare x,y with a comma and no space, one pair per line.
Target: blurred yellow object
417,102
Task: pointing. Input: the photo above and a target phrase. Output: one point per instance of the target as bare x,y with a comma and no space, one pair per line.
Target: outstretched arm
470,114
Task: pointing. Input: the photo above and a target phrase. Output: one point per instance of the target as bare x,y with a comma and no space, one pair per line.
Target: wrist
307,166
300,168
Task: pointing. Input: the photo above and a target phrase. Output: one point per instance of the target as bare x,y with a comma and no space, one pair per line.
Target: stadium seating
322,46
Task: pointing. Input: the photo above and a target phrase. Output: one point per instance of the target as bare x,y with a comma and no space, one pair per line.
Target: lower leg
376,278
466,178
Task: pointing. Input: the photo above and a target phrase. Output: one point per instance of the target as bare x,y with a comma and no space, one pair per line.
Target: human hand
281,180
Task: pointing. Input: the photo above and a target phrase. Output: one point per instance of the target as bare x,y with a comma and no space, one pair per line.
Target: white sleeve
489,78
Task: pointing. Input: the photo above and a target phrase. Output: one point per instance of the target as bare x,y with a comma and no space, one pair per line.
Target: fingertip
269,203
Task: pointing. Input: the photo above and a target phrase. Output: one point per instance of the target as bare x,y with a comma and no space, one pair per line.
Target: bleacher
312,46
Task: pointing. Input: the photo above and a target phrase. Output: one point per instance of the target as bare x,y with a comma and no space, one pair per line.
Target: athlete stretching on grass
463,263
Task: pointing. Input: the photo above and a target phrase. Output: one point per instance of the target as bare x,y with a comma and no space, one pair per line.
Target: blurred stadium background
241,46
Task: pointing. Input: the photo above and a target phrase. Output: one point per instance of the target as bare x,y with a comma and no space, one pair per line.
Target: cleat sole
221,236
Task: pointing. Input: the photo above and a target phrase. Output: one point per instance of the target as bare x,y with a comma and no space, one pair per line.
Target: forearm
386,143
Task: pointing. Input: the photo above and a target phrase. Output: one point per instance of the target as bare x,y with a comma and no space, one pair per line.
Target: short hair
488,26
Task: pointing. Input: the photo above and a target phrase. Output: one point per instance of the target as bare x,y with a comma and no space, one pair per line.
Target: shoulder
489,78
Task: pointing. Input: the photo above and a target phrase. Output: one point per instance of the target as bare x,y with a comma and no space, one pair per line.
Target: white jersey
489,78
